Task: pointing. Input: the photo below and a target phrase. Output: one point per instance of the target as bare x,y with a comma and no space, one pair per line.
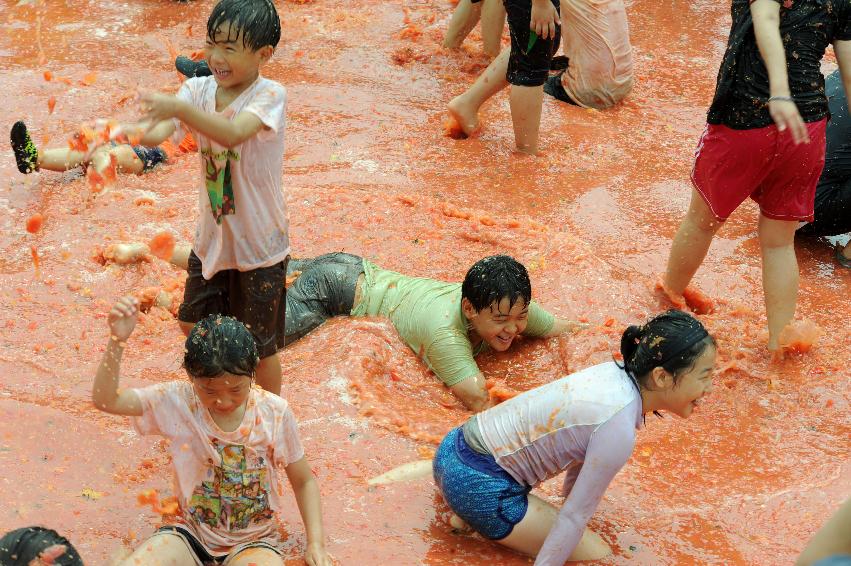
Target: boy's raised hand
544,19
158,106
122,318
785,114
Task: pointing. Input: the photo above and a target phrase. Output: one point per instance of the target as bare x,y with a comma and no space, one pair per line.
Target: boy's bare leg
465,107
268,374
690,245
60,159
493,23
526,102
125,158
779,274
464,19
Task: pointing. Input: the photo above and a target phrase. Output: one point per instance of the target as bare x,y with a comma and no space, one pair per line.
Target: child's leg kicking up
127,158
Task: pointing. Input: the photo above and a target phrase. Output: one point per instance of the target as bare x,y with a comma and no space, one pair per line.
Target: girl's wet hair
219,344
672,340
495,278
19,547
256,20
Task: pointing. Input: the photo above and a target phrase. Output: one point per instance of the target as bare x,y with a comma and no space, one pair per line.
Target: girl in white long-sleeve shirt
583,424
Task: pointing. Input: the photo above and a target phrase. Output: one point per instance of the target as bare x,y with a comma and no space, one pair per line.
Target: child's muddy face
224,394
233,64
692,385
499,324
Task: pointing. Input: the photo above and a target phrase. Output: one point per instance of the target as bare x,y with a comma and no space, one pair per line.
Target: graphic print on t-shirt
218,180
235,493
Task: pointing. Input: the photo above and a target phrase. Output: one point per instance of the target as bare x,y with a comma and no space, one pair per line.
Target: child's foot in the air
26,154
190,68
465,115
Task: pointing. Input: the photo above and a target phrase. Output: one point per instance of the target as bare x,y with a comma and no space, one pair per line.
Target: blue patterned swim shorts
477,489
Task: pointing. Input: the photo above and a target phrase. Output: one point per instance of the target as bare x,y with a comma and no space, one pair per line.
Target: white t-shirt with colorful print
226,483
242,220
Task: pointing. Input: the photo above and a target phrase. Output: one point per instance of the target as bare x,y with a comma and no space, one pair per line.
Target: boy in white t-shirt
238,263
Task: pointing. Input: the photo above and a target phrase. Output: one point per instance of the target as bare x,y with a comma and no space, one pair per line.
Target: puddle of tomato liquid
746,480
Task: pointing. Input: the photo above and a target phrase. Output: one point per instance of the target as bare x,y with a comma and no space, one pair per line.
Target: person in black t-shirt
765,139
833,194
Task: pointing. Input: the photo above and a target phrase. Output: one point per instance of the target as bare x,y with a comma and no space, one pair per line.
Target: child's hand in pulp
158,106
316,555
122,318
544,19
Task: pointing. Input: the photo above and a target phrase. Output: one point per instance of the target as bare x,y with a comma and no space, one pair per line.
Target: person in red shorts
765,139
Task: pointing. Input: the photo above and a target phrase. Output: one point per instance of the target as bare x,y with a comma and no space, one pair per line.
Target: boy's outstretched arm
784,112
228,133
105,393
473,392
157,134
562,325
306,492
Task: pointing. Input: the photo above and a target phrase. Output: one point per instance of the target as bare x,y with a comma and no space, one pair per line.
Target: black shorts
532,67
256,298
150,156
325,289
198,549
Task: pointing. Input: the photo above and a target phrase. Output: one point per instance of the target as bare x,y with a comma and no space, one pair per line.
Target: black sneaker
26,154
190,68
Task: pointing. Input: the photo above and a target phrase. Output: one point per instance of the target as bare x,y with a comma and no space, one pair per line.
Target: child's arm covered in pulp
105,392
306,492
228,133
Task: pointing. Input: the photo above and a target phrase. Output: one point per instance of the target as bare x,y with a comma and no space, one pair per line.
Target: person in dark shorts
134,159
241,243
764,139
535,30
832,215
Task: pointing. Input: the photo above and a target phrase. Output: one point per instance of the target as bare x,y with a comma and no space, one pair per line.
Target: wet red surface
746,480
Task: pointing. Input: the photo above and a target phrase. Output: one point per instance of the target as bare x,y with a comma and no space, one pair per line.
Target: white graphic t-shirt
226,483
242,220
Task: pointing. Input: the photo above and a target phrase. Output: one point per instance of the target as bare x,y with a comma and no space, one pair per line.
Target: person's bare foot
465,115
698,301
126,253
677,300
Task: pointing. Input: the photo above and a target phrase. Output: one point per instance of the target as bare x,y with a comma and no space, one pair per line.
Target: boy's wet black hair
19,547
219,344
672,340
256,21
494,278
